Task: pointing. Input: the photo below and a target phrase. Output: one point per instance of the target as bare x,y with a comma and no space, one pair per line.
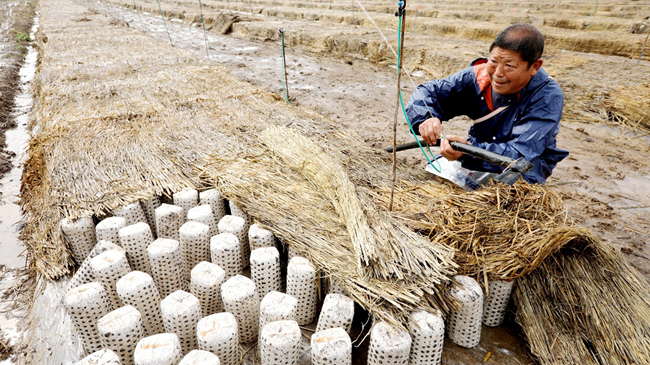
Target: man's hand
447,151
430,130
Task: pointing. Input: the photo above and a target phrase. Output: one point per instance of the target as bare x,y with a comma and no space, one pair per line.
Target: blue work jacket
527,129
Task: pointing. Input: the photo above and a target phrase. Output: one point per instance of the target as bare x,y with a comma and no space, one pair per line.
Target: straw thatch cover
120,117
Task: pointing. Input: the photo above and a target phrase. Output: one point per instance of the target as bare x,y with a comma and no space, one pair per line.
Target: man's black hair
522,38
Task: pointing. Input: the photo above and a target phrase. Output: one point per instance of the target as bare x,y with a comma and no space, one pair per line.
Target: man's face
508,72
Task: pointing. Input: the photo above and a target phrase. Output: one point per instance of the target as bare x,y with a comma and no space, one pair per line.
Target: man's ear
535,67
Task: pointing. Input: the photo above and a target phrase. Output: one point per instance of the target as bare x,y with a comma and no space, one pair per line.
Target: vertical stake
592,13
165,23
251,4
401,13
138,12
415,23
625,10
205,31
107,12
284,69
352,18
642,49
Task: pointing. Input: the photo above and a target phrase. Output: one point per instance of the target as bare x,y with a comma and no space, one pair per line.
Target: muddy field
16,21
337,66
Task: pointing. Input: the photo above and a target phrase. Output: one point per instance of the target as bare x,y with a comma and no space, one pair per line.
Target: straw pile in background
585,305
630,105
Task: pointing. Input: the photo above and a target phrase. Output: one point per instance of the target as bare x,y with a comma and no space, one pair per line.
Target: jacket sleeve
532,133
442,98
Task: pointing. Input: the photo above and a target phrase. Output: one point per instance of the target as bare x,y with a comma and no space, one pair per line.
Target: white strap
484,118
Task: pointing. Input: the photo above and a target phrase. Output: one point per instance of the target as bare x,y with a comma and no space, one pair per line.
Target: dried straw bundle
630,106
327,174
499,232
585,305
292,186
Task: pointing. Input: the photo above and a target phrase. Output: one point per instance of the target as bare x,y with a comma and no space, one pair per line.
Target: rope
165,23
379,30
284,71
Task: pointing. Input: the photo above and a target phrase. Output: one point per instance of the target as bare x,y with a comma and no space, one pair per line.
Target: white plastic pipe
109,228
80,236
167,266
337,311
240,298
160,349
464,325
135,239
388,346
218,334
206,286
85,305
428,334
181,311
137,288
302,283
265,270
331,347
119,330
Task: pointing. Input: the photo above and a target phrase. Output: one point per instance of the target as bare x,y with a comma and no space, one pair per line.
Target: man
515,104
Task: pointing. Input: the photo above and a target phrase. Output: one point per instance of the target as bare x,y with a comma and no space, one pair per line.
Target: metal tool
513,168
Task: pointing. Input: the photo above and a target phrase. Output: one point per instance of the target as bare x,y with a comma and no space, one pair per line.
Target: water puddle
17,142
12,262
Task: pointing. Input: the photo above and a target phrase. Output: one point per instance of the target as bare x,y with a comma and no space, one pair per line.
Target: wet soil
16,21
